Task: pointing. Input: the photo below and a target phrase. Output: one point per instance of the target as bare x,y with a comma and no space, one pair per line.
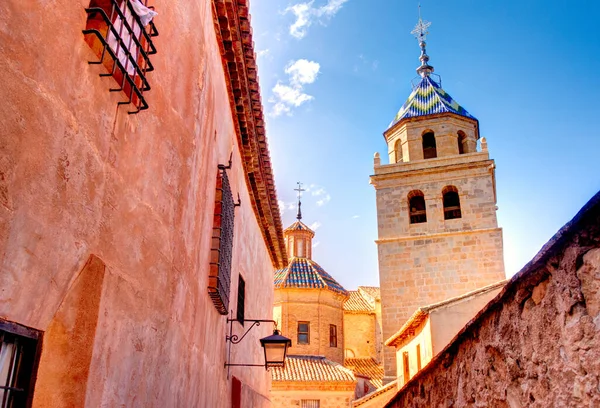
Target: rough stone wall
80,176
360,335
319,307
425,263
327,398
537,344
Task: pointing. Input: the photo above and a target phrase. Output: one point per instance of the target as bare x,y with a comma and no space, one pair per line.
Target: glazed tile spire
420,32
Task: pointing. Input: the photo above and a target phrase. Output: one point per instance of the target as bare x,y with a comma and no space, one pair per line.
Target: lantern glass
275,349
275,354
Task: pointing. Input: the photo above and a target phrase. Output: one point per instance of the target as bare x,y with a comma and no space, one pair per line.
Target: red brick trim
234,36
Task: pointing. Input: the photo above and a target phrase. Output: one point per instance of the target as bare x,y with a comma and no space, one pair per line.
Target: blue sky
333,74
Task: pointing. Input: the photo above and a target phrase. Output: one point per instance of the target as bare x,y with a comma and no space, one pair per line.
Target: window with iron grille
332,335
303,333
219,278
120,34
241,300
18,355
310,403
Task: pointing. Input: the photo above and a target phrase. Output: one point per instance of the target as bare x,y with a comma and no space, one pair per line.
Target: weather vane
420,32
299,190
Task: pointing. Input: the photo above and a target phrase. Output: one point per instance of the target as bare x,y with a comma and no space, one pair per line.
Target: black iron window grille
120,33
18,356
241,301
219,279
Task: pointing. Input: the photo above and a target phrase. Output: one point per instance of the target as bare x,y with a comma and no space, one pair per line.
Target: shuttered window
332,335
219,279
241,300
310,403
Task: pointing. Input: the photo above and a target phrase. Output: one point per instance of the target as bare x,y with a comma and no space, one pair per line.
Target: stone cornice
433,235
429,117
234,36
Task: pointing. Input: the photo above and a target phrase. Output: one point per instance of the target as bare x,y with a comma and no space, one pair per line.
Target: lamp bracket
235,339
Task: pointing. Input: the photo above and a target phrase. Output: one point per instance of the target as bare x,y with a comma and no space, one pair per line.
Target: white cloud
315,244
318,192
355,217
306,13
315,225
288,96
324,200
285,207
302,72
303,12
262,53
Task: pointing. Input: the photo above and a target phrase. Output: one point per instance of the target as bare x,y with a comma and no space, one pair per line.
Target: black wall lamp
275,346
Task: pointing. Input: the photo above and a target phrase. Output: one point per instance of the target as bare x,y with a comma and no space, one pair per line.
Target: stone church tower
438,236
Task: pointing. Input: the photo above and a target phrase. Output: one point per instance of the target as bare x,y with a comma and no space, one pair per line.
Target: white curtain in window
146,15
6,355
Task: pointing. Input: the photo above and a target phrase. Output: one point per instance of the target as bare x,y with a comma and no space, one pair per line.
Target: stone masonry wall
321,308
360,335
327,398
425,263
537,344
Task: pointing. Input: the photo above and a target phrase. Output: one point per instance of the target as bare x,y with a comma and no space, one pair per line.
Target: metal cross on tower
420,32
299,190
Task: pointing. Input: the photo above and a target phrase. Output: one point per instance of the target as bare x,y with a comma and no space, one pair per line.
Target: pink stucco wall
79,176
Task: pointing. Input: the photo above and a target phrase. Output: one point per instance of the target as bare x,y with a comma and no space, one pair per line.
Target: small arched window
300,249
398,151
429,148
416,207
462,140
451,203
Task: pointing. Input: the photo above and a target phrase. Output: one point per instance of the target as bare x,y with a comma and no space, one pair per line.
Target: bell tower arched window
462,140
416,207
398,151
429,147
451,203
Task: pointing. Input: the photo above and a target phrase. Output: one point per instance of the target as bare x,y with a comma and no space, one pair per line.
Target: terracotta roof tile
372,291
312,368
389,388
366,367
357,303
299,226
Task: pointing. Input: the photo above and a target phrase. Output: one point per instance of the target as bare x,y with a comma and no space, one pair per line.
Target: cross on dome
299,190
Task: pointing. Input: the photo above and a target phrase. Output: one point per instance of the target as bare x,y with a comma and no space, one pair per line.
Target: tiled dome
429,98
306,273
